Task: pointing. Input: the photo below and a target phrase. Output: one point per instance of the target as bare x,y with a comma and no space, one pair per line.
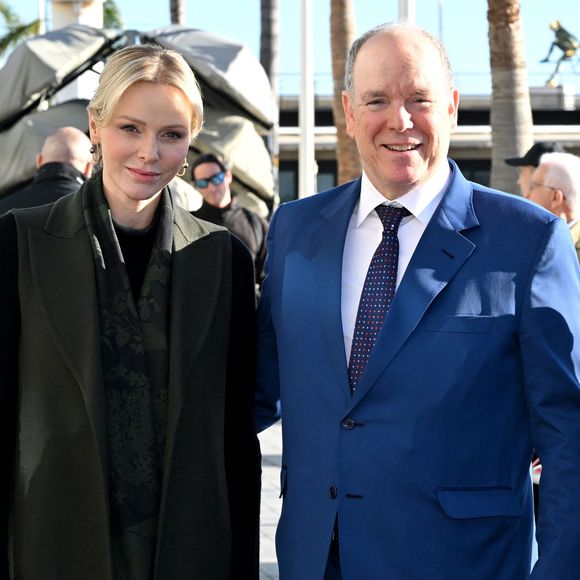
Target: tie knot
391,216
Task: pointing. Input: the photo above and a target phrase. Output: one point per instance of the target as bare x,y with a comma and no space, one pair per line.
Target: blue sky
463,25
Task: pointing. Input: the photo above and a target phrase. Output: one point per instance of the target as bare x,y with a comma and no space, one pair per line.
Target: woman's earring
184,167
95,151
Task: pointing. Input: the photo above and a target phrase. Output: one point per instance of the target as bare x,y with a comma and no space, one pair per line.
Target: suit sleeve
9,338
550,346
242,449
262,251
267,410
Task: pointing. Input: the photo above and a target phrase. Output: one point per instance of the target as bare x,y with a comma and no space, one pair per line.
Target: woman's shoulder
7,231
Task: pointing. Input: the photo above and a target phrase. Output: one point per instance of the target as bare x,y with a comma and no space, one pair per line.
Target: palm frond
17,33
111,15
9,16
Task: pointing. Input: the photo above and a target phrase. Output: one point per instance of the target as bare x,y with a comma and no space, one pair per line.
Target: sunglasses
213,179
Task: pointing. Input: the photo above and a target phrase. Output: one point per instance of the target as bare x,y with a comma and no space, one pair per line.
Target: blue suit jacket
427,465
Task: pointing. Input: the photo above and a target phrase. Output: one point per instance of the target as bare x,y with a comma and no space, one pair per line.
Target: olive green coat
59,509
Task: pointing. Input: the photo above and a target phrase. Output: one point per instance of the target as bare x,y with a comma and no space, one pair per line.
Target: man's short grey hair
392,29
563,172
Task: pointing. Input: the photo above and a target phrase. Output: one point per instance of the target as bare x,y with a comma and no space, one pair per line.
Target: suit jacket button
332,492
348,424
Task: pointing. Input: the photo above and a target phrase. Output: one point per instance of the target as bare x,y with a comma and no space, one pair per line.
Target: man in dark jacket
212,177
63,164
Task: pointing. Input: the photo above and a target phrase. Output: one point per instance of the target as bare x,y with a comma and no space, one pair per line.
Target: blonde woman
127,339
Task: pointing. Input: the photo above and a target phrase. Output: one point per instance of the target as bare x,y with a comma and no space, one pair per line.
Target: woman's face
143,145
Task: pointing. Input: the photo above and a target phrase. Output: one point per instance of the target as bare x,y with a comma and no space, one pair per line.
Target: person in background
555,185
418,346
63,165
127,329
212,178
528,163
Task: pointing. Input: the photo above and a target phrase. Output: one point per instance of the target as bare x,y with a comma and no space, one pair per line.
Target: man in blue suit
418,467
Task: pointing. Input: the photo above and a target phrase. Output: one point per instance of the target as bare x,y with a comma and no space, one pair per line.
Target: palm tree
341,37
16,29
111,15
269,40
177,10
511,112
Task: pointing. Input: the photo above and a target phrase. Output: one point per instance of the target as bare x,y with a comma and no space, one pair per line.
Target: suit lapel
327,247
440,254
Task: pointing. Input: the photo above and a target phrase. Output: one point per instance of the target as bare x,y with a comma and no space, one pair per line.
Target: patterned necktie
378,291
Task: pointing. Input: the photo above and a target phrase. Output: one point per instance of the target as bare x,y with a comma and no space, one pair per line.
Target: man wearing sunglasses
212,178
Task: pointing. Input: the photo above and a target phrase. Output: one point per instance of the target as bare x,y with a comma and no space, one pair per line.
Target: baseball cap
532,157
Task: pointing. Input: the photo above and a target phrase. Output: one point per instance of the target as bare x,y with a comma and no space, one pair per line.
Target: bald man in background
63,164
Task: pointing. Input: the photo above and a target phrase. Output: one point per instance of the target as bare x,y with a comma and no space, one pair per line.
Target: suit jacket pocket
459,323
283,481
480,502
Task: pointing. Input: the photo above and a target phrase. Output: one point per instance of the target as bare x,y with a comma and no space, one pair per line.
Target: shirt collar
421,201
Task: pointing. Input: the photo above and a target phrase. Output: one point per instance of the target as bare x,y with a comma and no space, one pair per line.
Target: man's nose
399,118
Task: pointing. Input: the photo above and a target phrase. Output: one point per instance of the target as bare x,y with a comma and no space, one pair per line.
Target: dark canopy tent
240,110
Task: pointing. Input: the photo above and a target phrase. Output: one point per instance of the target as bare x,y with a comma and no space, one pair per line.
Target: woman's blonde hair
150,63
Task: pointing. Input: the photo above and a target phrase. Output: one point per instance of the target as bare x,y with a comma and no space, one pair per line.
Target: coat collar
62,262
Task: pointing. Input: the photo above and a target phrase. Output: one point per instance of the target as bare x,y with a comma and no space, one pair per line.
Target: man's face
402,111
541,192
524,176
219,194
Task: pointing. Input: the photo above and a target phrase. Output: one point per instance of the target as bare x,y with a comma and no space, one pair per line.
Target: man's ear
557,202
38,160
454,106
348,113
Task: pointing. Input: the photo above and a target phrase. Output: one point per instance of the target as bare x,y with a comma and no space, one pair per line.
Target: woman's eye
129,128
173,135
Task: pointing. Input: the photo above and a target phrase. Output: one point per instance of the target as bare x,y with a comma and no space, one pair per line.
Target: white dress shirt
365,232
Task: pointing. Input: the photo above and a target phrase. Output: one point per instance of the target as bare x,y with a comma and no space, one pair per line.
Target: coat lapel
62,264
440,254
327,245
62,258
196,279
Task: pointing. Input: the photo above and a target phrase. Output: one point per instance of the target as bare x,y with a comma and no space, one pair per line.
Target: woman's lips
145,175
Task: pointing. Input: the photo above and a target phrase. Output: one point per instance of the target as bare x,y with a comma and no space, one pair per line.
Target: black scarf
134,346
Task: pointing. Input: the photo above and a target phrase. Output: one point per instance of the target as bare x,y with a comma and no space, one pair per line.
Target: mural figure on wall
567,43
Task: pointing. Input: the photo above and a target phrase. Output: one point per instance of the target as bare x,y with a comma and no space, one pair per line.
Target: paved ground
271,444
